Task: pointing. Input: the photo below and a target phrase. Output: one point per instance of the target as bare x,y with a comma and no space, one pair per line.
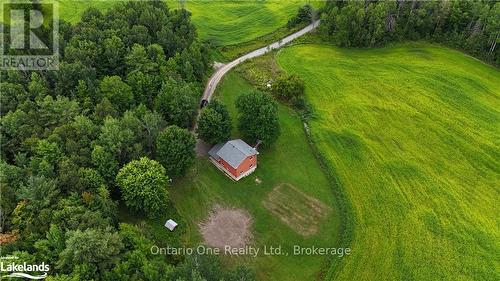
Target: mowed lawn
413,132
290,164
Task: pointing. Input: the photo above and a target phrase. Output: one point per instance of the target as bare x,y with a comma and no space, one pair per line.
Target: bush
304,15
288,88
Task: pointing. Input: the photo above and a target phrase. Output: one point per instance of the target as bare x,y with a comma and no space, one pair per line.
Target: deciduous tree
117,92
214,125
175,150
258,117
143,184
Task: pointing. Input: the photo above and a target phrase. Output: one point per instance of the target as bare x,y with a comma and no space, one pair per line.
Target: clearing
290,160
412,133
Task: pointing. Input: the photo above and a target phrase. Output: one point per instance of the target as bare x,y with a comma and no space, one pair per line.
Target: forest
471,26
111,124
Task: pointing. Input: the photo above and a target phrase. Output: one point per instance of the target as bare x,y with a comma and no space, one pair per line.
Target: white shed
170,224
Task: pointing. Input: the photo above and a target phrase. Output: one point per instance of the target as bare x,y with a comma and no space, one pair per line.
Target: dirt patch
227,227
300,212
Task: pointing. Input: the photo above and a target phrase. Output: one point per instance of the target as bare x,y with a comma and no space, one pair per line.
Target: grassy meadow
235,22
71,10
223,22
290,174
412,131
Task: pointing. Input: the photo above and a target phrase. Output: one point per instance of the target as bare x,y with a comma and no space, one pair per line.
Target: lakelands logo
29,35
26,270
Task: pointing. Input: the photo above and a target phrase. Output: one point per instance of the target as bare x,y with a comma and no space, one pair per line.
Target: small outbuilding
170,224
235,158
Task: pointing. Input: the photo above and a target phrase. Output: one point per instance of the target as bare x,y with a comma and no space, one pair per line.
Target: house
171,225
235,158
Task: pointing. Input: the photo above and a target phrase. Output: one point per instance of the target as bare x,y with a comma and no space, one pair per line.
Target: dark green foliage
37,86
258,117
144,87
143,184
89,180
131,136
150,126
65,135
117,139
214,125
95,250
84,51
137,60
68,75
12,95
175,150
105,109
53,113
113,56
11,179
75,139
288,87
52,245
46,158
117,92
16,127
304,15
137,263
469,25
177,102
133,37
105,163
36,197
89,209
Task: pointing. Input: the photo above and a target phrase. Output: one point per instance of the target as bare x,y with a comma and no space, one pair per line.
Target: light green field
71,10
413,132
289,161
234,22
223,22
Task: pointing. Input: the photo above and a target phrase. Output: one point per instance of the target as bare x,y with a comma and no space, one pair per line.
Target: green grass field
291,162
234,22
412,131
223,22
71,10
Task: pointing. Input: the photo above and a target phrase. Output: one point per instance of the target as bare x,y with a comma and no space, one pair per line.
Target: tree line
471,26
110,126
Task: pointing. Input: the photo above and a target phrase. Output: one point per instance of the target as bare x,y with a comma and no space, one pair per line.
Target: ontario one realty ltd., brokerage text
252,251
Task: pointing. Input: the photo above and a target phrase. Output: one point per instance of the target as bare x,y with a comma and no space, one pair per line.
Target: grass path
290,161
413,133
